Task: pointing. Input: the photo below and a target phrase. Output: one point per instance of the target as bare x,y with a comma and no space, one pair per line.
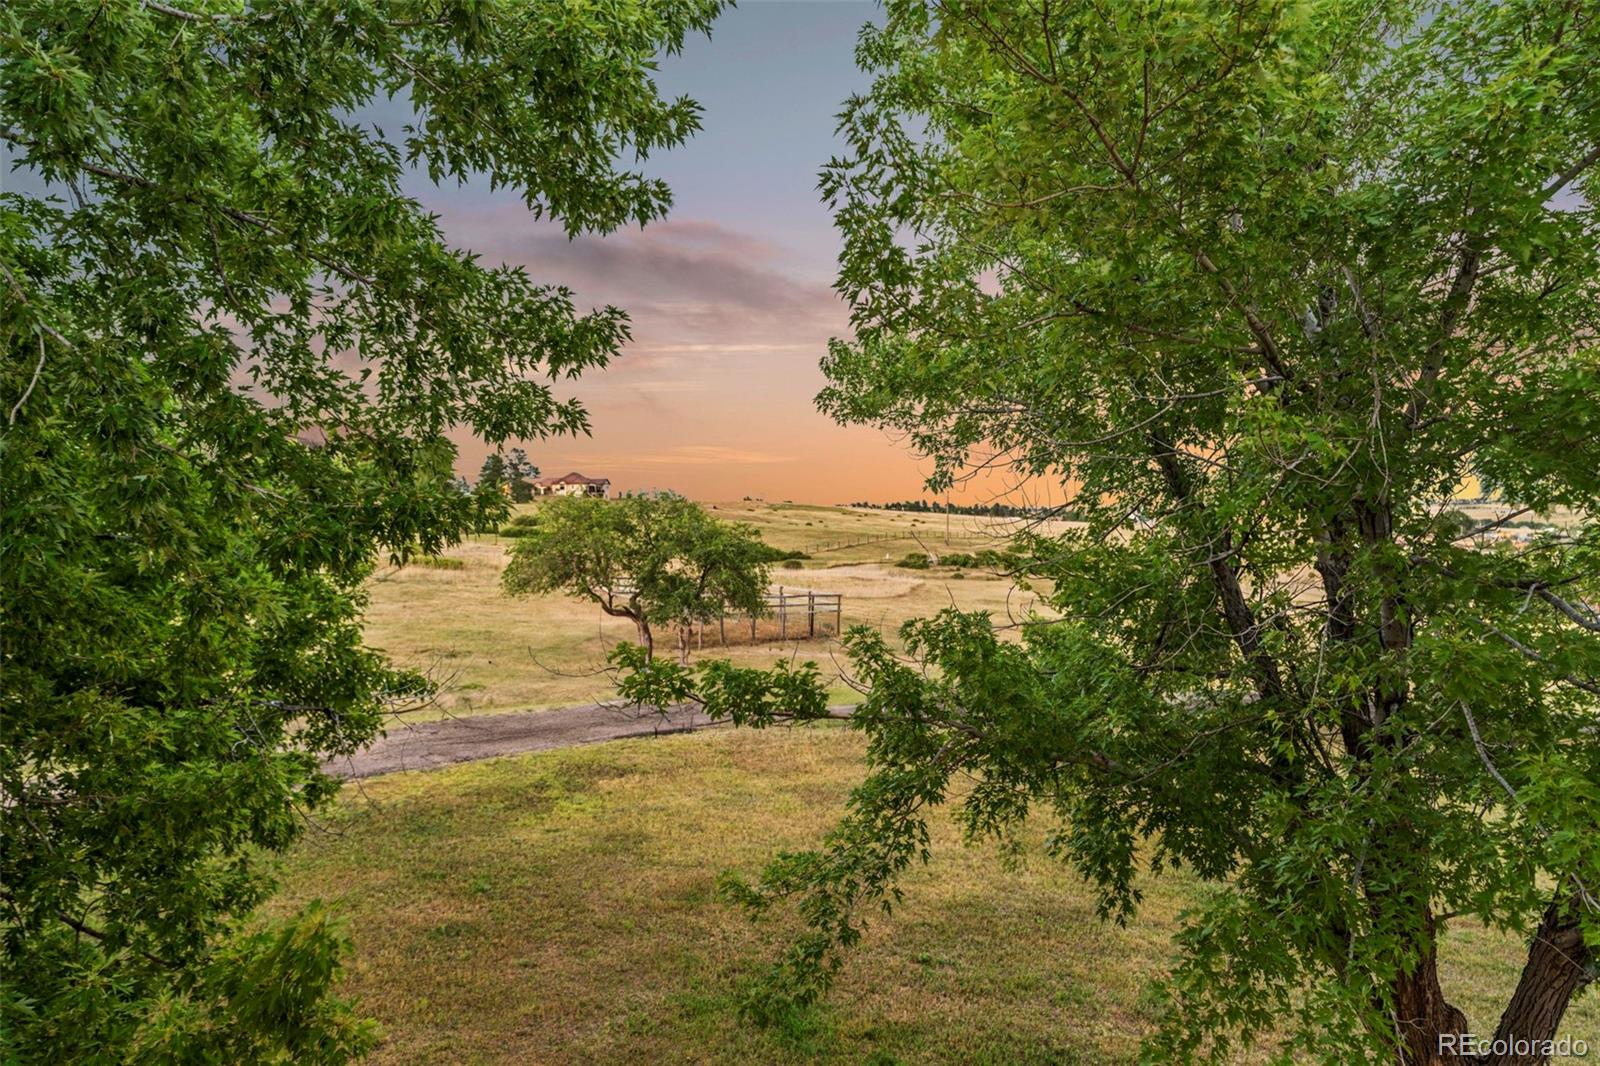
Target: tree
492,475
519,476
232,349
1275,278
651,559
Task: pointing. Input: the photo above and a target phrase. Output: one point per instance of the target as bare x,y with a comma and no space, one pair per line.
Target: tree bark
1423,1014
1433,1033
1559,964
645,638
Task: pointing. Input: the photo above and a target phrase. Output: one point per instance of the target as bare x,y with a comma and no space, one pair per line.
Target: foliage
519,476
922,560
653,559
233,348
744,695
1264,282
520,525
509,476
492,475
992,510
438,562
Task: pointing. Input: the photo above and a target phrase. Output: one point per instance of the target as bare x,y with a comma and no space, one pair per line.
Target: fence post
783,615
811,614
722,628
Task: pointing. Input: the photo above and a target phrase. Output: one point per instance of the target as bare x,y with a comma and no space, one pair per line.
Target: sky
729,296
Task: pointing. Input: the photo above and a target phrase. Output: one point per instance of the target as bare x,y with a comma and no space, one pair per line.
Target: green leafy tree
519,476
655,560
1263,282
492,475
232,349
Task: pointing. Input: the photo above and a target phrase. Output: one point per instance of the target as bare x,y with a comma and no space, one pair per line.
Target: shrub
520,526
792,564
914,561
781,555
439,562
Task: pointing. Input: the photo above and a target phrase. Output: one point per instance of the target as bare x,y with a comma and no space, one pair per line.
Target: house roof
573,478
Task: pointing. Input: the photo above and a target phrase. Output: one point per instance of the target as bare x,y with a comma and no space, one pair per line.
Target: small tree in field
651,559
1265,282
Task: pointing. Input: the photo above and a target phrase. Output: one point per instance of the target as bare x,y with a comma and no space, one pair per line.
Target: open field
560,907
495,653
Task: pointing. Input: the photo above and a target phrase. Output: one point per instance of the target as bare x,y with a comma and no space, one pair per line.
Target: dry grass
560,908
491,652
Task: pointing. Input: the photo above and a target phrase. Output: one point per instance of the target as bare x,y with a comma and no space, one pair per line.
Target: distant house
573,484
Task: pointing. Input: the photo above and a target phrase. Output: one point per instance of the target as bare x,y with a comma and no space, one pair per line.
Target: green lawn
559,907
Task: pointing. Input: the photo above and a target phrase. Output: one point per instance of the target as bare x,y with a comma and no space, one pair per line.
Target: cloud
697,455
713,396
692,287
736,348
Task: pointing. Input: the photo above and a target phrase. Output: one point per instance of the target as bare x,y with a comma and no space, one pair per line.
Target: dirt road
430,745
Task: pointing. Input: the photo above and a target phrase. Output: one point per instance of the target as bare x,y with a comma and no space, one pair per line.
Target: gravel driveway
430,745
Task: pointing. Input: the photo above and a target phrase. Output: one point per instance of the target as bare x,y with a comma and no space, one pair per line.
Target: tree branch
237,214
1565,177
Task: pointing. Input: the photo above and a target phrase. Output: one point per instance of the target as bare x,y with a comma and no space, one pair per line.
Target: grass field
560,908
491,652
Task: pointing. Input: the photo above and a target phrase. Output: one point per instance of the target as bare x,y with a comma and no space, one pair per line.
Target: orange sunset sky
730,296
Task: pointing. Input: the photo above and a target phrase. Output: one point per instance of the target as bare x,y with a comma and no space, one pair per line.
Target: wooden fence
787,615
797,614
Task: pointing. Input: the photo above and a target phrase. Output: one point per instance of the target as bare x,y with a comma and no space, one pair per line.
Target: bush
914,561
792,564
438,562
520,526
779,555
956,559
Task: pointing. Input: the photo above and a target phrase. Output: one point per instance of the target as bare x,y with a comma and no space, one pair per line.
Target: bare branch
1563,179
1582,614
17,407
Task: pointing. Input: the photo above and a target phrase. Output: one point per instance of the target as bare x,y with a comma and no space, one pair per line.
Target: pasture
492,652
561,908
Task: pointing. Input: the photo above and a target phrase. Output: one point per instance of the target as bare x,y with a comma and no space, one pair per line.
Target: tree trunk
683,643
1423,1015
1559,964
645,638
1434,1033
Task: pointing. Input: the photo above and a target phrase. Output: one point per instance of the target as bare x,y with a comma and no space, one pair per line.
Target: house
573,484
